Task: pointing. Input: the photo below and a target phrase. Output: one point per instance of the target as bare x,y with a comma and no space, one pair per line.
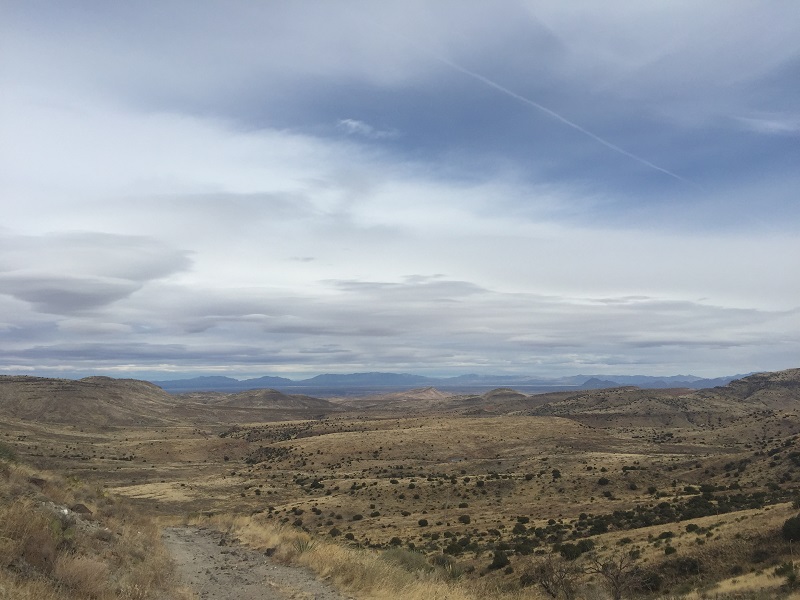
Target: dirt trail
217,568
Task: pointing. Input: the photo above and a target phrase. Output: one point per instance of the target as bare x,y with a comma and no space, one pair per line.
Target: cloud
133,257
69,272
201,200
772,124
65,295
355,127
431,325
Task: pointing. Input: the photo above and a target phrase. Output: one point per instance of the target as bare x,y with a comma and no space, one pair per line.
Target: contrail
552,113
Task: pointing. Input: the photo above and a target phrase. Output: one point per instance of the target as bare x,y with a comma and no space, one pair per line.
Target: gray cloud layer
292,188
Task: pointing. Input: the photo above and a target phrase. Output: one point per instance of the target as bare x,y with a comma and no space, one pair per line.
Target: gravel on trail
218,568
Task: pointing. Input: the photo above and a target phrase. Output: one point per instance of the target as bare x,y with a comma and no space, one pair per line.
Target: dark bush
499,561
791,529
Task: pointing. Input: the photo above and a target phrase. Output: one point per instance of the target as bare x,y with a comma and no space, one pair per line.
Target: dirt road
217,568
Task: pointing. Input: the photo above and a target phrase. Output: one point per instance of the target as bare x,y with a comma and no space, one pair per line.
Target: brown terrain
684,493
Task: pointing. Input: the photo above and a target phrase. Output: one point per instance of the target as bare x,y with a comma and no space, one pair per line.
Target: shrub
569,551
791,529
603,481
465,519
499,561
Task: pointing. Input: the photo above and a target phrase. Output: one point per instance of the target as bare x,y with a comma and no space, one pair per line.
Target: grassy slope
49,552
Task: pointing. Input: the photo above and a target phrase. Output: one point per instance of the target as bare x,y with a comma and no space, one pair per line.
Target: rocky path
220,569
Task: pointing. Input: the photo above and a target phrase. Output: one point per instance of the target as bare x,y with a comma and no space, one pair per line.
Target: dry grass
47,551
362,573
83,576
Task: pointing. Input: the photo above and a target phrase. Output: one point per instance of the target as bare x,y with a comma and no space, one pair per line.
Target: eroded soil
216,567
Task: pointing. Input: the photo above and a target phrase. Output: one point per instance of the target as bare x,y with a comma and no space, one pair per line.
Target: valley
695,484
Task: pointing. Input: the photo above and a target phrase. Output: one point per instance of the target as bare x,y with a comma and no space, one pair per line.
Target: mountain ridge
374,381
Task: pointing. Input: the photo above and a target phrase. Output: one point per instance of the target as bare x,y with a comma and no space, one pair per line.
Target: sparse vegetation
546,501
49,551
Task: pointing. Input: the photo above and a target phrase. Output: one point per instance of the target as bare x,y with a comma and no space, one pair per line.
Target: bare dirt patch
219,568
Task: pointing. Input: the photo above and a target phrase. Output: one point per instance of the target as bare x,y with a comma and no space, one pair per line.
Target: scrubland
563,500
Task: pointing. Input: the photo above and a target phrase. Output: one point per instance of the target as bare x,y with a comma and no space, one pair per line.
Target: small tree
619,572
556,576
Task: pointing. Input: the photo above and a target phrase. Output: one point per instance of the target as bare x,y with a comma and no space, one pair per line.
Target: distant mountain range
360,383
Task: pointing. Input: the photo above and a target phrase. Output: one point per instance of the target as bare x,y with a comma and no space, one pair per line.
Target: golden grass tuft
84,576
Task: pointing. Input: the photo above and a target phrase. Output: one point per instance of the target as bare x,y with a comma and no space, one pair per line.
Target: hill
105,402
93,401
268,398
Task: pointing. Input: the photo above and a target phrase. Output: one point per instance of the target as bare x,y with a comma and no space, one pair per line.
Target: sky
541,188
